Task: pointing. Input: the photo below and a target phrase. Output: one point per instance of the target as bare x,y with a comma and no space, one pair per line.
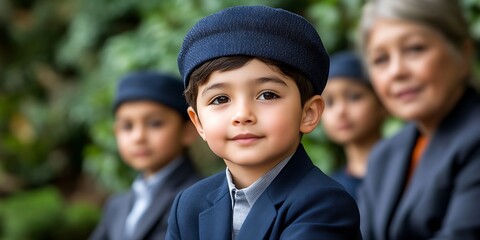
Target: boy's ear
311,114
196,121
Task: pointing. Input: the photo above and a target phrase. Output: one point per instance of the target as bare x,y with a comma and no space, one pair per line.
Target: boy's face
353,113
150,135
251,116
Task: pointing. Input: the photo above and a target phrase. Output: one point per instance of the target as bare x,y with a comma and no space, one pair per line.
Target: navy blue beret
257,31
347,64
154,86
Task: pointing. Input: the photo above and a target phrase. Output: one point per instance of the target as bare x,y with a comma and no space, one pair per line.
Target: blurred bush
43,214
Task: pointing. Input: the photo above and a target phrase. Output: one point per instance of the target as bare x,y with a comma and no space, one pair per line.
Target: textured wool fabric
257,31
154,86
347,64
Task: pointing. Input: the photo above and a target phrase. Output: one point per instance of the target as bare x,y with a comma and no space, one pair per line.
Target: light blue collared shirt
144,189
243,199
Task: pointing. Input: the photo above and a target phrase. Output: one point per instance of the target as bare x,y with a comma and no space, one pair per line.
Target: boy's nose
243,114
340,108
139,133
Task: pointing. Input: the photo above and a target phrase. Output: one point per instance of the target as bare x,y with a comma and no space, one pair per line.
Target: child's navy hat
256,31
347,64
153,86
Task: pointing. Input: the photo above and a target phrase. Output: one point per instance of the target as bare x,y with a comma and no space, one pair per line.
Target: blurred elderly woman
424,182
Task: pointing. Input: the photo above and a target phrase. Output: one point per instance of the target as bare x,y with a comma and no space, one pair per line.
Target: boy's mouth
245,138
141,153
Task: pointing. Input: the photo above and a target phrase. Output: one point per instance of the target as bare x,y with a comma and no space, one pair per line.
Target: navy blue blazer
442,200
349,182
301,203
153,224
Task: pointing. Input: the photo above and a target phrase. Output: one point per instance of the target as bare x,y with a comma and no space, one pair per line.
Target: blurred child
253,78
153,133
353,116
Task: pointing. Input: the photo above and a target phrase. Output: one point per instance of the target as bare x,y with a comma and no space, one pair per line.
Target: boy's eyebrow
258,80
213,86
272,79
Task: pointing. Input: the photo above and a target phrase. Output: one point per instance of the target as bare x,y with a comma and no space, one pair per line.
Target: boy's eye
379,60
268,96
125,126
354,96
219,100
328,102
155,123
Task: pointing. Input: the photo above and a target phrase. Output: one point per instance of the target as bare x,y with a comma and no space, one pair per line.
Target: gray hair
444,16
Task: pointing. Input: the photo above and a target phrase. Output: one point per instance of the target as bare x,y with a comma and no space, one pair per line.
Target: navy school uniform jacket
442,200
349,182
153,224
300,203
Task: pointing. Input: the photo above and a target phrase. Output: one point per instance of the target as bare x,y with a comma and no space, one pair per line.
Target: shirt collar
147,186
253,192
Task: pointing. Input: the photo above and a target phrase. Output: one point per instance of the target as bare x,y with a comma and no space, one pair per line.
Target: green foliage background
59,64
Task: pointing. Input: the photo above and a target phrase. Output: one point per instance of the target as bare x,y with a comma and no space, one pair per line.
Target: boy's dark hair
201,74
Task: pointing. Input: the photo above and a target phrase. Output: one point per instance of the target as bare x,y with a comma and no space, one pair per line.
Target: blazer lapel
161,202
259,220
261,217
216,221
429,163
394,184
158,207
118,231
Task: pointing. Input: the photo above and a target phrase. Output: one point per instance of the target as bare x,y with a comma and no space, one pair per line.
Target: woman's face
416,72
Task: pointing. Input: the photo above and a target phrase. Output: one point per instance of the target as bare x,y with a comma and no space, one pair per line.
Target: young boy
152,132
253,78
353,116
